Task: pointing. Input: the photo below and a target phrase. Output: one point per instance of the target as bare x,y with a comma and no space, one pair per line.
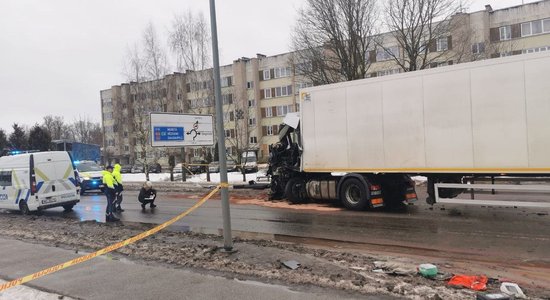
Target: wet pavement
511,236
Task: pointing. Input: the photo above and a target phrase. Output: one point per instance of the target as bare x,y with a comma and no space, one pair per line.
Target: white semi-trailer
359,141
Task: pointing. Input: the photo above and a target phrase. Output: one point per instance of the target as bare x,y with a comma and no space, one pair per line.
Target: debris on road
512,289
427,270
396,268
291,264
492,297
476,283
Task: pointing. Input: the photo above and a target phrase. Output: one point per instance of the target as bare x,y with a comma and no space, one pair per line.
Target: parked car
177,168
197,166
231,165
155,168
214,167
126,169
137,168
250,164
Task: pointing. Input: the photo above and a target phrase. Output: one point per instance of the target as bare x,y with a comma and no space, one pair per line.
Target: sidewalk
110,277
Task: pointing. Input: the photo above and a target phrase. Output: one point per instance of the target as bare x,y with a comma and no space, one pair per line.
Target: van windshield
88,167
250,159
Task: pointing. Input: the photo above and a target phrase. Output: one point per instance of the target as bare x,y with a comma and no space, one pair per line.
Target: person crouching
147,195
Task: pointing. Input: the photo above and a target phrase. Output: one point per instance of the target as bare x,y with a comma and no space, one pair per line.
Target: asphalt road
496,236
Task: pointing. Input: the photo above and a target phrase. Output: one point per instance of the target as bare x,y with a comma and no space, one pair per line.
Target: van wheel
353,194
24,208
68,207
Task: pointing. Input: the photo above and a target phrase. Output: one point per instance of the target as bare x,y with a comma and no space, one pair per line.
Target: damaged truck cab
356,191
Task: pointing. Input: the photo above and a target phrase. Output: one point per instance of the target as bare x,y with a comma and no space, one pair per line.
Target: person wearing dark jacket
147,195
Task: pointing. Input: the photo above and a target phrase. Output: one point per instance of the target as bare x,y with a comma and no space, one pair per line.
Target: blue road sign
168,133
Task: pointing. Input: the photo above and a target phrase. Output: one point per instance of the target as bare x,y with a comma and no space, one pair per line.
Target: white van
36,181
249,161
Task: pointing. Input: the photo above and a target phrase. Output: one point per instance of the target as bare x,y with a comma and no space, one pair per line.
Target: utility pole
228,241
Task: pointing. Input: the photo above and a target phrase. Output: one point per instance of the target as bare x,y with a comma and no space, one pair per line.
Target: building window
227,98
387,72
227,81
478,48
267,93
250,84
283,110
534,50
269,130
535,27
386,54
108,116
282,72
126,148
268,112
283,91
442,44
505,32
267,74
125,134
253,140
252,121
230,133
251,103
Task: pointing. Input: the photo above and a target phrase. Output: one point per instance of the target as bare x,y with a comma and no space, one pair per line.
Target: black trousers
145,202
110,194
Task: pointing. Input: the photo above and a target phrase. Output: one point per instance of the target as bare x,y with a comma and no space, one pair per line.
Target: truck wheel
24,208
353,194
295,191
276,186
68,207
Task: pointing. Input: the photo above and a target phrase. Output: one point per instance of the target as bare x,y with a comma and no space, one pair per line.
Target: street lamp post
228,242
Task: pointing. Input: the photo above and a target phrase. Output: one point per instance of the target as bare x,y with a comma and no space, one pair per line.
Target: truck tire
295,191
24,208
68,207
354,194
277,188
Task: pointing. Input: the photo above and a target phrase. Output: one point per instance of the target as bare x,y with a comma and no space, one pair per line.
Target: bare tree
145,67
189,40
331,38
56,127
416,27
86,131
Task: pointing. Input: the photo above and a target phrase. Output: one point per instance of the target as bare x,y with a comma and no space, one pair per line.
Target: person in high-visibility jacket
118,188
109,189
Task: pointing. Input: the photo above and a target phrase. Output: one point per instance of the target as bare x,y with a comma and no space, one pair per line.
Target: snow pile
232,177
24,292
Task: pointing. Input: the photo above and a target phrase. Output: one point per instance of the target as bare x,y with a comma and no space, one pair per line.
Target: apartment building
258,92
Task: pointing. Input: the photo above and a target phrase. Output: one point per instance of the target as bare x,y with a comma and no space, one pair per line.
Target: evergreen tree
3,141
39,139
17,138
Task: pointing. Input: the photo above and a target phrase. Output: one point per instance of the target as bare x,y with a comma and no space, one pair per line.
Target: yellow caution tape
224,185
107,249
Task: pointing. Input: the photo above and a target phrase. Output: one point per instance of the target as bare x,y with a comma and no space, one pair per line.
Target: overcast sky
56,55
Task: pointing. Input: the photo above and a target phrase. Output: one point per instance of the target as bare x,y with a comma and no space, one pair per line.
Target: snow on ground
232,177
24,292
